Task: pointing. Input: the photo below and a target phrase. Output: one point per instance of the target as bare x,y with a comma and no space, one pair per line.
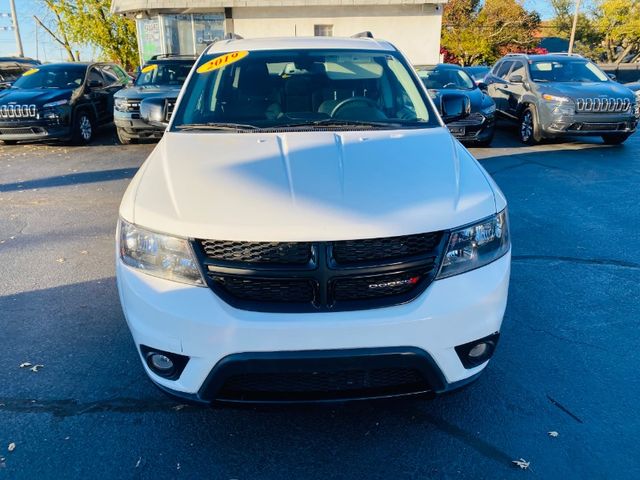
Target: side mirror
515,78
154,112
95,84
612,76
454,107
482,86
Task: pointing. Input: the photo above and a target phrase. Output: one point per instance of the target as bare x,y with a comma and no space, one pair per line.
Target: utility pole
573,28
16,28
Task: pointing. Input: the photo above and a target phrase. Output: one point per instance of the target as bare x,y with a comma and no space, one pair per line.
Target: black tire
124,138
83,128
10,142
615,138
529,128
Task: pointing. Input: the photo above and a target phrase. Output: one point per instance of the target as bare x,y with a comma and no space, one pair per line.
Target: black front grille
351,252
322,384
266,289
321,276
376,286
281,253
35,131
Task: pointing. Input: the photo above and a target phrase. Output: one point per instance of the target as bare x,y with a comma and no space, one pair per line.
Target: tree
618,22
480,32
91,22
59,31
587,39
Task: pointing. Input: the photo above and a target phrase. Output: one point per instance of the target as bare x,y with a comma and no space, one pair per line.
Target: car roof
439,66
299,43
549,57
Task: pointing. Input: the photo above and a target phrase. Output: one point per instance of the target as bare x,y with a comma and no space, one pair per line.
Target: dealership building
187,26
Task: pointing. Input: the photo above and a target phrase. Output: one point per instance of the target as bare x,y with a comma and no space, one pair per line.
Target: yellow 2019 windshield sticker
30,72
222,61
149,68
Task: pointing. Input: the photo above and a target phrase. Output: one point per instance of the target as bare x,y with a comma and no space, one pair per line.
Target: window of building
323,30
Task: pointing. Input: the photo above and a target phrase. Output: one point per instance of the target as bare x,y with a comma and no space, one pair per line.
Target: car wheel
615,138
83,129
529,128
123,138
9,142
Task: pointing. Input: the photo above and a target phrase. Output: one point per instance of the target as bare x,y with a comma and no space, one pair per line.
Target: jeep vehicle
66,101
307,229
556,95
478,127
161,77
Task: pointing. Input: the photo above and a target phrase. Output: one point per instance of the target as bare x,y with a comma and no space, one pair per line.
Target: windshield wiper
217,126
332,122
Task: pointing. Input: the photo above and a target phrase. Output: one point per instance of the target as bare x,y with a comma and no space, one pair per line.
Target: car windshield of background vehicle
441,78
303,88
566,71
165,73
67,76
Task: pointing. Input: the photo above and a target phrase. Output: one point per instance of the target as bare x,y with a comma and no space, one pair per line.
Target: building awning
131,6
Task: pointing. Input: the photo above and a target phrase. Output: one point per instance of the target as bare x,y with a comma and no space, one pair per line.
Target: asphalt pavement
566,362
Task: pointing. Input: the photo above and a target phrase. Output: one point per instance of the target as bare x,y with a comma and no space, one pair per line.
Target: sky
48,50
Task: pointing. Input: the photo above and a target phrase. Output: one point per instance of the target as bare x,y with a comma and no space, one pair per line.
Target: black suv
67,101
160,77
558,94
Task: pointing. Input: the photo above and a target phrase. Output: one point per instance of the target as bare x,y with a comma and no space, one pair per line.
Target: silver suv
558,94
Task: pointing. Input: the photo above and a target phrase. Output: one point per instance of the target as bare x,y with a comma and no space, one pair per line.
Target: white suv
308,230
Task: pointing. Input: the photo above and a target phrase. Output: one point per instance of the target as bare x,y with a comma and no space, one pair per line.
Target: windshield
165,73
440,78
566,71
303,88
67,76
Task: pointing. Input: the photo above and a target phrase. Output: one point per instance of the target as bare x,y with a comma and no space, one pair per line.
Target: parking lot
565,363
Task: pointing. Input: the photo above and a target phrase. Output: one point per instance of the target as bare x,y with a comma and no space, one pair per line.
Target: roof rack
366,34
516,55
566,54
171,55
233,36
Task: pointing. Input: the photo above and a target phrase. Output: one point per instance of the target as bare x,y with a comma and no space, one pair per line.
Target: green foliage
476,32
90,22
608,31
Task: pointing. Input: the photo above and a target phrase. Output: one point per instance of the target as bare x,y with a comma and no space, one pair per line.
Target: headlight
120,104
490,110
476,245
159,255
56,104
554,98
564,110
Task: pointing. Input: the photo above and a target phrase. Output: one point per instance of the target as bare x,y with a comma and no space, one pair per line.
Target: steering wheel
367,102
450,84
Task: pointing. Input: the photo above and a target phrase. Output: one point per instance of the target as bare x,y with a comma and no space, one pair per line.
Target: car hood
37,96
308,185
476,96
148,91
586,89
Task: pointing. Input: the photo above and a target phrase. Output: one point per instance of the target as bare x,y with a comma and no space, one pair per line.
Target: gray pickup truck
558,95
162,77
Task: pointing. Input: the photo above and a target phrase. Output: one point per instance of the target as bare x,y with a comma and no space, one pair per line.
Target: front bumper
192,321
33,130
134,127
478,128
586,123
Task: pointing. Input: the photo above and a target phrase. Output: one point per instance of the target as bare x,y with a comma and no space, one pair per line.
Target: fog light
161,363
479,350
164,364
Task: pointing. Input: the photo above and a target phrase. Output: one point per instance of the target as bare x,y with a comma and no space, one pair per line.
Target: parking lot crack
585,261
72,407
